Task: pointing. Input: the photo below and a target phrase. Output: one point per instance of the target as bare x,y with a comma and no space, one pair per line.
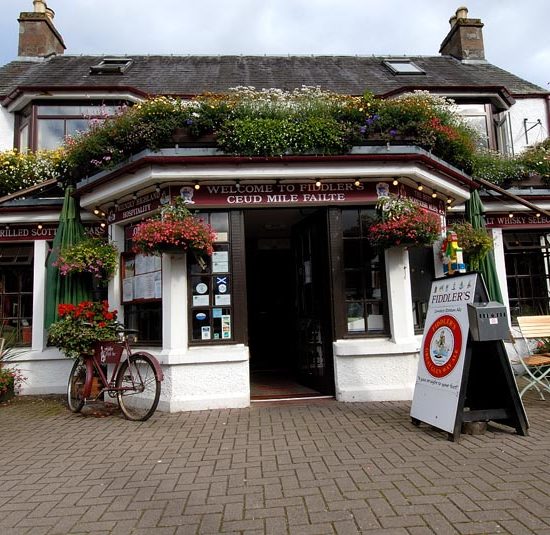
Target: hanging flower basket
401,222
91,255
176,230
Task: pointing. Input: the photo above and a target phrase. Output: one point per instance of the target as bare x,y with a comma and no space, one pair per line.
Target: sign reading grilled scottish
442,355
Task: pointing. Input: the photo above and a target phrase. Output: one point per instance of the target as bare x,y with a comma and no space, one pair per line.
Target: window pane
354,288
51,133
98,110
75,126
356,317
350,223
220,224
352,253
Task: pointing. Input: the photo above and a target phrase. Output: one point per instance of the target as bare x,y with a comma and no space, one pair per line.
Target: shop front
294,300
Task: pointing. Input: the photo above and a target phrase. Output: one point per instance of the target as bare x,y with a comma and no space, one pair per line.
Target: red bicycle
135,379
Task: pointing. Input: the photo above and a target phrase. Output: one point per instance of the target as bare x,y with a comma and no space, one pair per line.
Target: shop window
211,289
141,296
363,275
421,265
527,258
16,285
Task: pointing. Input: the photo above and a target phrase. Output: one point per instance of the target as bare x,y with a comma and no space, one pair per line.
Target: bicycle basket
108,352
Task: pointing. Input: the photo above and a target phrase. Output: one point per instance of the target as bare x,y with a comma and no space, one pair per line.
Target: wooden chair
535,365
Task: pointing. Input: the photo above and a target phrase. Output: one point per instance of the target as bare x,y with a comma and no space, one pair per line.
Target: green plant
475,243
81,325
402,222
536,159
91,255
20,170
11,377
497,168
176,227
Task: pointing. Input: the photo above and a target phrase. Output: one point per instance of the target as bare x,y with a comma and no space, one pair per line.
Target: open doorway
288,321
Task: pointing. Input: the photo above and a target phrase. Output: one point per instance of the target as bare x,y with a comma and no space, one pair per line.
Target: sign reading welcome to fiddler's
442,355
270,195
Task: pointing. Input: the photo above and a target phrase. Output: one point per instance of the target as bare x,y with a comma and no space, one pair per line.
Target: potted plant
81,325
175,230
91,255
11,377
475,243
402,222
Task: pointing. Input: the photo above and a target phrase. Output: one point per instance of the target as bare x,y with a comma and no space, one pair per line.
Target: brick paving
305,468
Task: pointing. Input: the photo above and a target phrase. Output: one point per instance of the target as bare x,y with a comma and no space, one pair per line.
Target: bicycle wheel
139,379
75,389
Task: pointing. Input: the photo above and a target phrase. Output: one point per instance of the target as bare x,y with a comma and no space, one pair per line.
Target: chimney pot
39,6
452,20
50,13
462,12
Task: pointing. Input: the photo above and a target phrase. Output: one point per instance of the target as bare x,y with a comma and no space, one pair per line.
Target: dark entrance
288,287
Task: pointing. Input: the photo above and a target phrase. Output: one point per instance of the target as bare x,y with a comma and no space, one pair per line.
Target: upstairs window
44,126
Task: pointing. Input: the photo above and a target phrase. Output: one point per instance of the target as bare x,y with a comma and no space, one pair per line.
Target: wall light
103,224
537,214
197,185
395,182
318,183
96,210
134,196
357,183
434,195
157,188
420,187
40,226
510,215
449,200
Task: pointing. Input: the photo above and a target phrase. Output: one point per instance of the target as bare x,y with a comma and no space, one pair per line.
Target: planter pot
182,136
8,394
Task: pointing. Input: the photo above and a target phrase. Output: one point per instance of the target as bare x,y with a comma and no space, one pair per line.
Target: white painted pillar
398,279
39,335
174,303
116,236
498,250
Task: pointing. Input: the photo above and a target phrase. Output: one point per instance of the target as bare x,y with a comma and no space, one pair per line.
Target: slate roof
191,75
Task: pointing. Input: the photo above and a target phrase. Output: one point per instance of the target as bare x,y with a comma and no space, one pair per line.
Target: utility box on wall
488,321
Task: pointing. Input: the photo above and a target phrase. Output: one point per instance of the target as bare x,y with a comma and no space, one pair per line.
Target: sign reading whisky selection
270,195
459,379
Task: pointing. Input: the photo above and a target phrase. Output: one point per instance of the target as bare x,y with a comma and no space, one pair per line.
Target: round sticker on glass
222,288
201,288
201,316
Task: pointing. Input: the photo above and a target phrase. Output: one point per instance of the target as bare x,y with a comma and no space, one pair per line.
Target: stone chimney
37,34
465,38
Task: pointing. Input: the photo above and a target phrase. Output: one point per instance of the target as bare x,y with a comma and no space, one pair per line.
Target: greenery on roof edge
273,122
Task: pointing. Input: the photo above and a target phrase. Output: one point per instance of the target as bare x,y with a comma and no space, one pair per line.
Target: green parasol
487,266
65,288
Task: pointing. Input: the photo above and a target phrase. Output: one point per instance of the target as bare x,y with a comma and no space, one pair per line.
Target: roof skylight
111,66
403,66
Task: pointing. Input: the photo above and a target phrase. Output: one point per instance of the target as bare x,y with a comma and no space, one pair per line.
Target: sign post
461,380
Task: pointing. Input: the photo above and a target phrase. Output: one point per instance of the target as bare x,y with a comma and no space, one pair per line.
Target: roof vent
111,66
402,66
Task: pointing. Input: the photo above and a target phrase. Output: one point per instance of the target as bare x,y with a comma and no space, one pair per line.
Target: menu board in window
141,277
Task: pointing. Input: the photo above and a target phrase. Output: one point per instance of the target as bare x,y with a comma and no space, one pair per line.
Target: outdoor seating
536,366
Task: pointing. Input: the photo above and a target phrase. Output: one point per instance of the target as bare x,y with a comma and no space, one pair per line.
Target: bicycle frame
110,353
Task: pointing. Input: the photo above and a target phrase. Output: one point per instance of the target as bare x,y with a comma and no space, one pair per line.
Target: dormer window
111,66
402,66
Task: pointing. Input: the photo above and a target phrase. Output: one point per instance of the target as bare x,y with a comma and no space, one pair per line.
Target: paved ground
308,468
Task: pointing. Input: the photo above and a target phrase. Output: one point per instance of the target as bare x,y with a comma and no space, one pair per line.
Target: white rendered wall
6,129
533,110
382,369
